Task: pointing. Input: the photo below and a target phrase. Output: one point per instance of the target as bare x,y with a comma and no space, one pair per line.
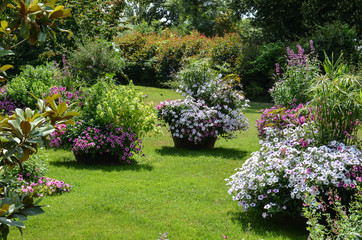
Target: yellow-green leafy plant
121,106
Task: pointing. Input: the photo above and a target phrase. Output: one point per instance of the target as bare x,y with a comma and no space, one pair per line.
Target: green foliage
290,19
34,80
153,59
36,166
336,98
225,50
95,18
336,38
256,66
94,59
121,106
331,219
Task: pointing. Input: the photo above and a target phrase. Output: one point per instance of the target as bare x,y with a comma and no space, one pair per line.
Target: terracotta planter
104,158
207,143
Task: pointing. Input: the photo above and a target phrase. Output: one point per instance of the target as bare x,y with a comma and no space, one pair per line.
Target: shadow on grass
69,162
228,153
278,226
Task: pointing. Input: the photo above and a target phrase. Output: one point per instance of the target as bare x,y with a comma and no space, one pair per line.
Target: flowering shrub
7,105
279,117
276,177
292,86
212,107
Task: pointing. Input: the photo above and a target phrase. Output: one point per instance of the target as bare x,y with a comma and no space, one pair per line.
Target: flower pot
207,143
105,158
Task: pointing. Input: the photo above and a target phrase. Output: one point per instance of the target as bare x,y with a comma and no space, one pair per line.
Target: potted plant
213,107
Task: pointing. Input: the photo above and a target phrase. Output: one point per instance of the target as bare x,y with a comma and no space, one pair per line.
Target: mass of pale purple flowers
212,108
292,165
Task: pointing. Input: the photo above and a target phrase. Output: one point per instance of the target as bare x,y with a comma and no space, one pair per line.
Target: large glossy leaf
6,67
32,211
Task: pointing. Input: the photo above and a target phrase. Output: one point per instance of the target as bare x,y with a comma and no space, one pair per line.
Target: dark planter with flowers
105,158
206,143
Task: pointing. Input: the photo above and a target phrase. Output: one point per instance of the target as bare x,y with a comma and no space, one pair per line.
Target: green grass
178,191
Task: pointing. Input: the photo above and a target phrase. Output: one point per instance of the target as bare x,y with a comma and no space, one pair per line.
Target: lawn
177,191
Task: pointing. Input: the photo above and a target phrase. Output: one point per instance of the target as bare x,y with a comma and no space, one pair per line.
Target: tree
289,19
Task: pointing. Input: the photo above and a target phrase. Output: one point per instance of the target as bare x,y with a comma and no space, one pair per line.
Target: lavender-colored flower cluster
213,108
287,167
7,105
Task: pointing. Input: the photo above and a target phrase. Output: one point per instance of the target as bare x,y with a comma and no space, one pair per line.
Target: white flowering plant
213,107
276,178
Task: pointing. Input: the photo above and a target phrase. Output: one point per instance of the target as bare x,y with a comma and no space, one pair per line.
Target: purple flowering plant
84,139
43,186
7,105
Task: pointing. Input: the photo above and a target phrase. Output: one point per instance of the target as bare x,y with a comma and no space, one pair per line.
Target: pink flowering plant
213,106
279,117
43,186
292,81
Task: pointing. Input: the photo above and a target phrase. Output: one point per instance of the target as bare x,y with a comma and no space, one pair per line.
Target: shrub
256,65
94,59
34,80
292,86
122,106
225,50
336,38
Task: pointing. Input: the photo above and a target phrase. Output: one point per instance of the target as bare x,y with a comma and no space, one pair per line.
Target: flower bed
284,169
